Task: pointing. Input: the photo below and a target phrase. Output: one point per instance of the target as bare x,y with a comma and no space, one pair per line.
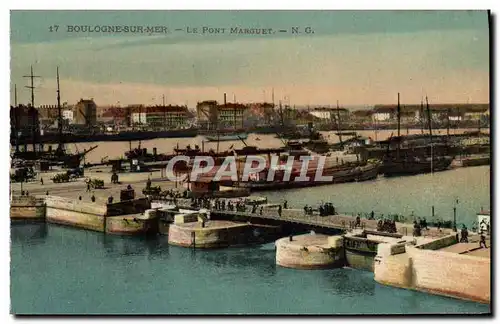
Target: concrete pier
310,251
438,267
117,218
214,234
27,208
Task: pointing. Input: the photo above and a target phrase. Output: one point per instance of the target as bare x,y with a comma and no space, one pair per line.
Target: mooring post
193,239
432,213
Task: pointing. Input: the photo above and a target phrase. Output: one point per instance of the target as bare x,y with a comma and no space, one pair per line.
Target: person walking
482,240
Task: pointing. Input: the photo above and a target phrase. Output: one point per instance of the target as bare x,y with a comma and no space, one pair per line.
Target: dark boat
351,172
414,159
411,165
59,156
104,137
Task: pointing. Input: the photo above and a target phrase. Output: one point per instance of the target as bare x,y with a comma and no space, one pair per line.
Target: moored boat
227,137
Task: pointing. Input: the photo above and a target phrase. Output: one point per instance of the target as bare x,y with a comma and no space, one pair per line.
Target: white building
381,116
138,118
68,115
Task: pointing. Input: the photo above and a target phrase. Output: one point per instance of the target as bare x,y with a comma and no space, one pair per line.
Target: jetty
434,261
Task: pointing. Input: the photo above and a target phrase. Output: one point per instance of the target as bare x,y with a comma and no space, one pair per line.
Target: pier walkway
298,216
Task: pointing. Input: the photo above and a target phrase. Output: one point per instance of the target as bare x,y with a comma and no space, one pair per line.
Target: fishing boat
349,172
411,161
409,165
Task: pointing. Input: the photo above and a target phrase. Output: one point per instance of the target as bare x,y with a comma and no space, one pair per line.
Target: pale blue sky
363,57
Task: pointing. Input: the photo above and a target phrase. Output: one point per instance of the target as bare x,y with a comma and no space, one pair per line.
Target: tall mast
338,123
430,133
272,99
281,115
429,118
16,118
60,148
164,113
32,87
422,115
399,118
448,122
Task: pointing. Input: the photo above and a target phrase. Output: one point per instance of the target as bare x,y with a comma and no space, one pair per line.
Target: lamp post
455,215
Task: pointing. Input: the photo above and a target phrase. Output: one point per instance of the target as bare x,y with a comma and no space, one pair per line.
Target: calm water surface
59,270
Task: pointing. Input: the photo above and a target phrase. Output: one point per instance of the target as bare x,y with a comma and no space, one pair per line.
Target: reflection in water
349,282
122,246
29,233
82,272
261,262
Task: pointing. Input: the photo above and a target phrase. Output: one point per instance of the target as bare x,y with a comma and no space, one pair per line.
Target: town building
262,112
68,115
113,115
85,113
439,112
361,116
212,115
160,117
330,114
48,114
24,120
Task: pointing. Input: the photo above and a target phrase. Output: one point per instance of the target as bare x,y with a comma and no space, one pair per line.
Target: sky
359,58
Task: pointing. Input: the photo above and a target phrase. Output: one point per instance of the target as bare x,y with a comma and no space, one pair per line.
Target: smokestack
224,99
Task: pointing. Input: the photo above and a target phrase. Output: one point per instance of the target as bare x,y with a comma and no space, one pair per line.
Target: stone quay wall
27,208
86,215
65,211
452,274
222,235
439,272
310,254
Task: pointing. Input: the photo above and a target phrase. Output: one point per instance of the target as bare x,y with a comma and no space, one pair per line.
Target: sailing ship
59,156
349,172
397,162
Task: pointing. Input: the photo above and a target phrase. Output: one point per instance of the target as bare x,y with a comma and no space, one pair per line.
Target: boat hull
391,168
123,136
353,174
231,137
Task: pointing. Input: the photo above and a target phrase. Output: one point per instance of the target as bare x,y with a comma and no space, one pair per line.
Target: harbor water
60,270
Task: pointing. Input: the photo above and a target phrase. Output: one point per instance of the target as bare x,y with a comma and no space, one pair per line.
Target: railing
314,220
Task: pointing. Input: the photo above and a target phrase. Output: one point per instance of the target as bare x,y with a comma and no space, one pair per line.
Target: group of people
325,209
387,225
